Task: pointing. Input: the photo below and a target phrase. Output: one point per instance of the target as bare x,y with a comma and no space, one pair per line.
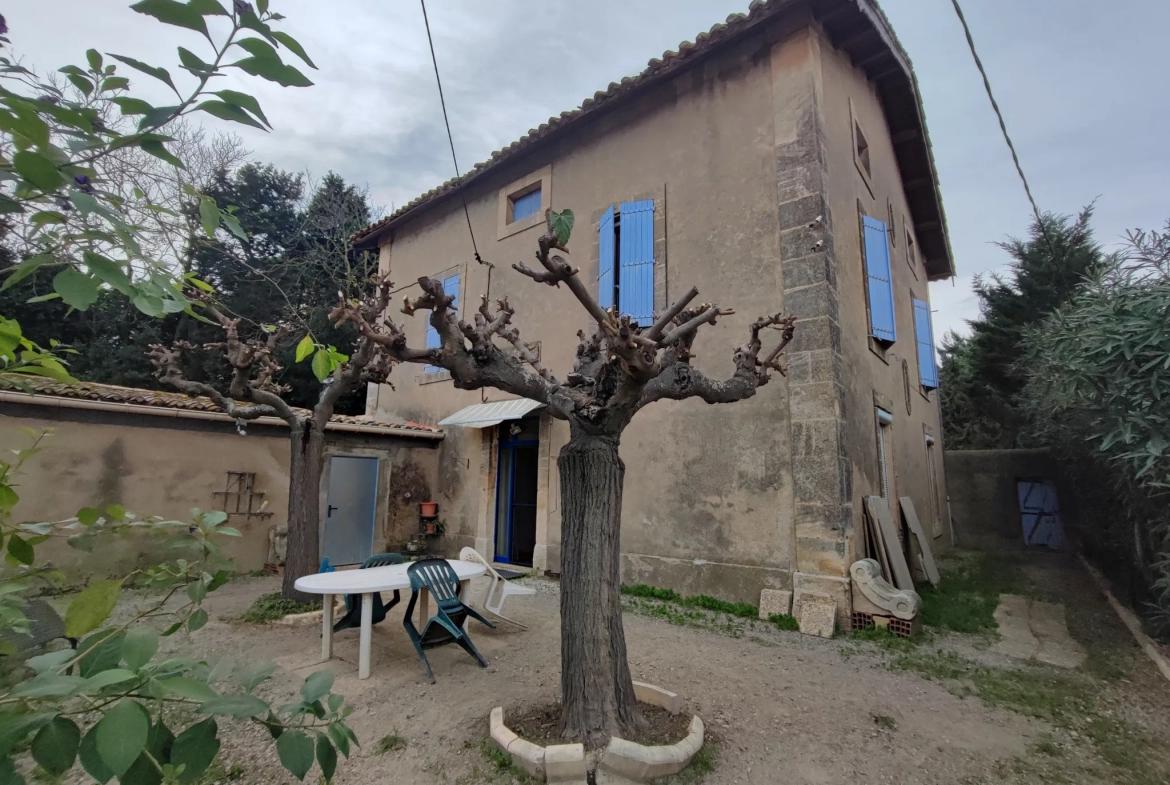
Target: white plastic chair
498,588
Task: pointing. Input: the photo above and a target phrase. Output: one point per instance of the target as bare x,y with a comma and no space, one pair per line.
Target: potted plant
435,527
428,509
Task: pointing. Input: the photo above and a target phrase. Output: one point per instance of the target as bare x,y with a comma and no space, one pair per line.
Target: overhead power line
450,138
1003,126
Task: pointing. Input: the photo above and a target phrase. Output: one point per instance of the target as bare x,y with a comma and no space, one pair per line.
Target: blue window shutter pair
526,205
605,254
633,257
924,336
879,280
451,287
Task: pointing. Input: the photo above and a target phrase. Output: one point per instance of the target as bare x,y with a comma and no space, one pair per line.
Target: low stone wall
981,485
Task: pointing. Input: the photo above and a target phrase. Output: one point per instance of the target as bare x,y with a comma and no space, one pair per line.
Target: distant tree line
294,260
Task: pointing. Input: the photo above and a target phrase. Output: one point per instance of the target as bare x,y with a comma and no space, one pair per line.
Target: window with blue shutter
526,205
879,282
636,261
924,337
605,255
451,287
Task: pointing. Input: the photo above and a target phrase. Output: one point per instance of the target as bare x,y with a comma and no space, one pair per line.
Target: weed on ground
270,607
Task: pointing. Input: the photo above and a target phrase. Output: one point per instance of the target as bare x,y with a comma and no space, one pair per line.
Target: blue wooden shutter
636,273
924,335
526,205
451,287
880,285
605,255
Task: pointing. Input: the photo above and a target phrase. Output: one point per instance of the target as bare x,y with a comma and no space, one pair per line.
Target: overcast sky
1082,85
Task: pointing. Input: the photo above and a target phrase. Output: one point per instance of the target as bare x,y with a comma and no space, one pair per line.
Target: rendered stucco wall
165,467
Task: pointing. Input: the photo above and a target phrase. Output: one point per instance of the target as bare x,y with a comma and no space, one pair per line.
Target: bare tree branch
666,319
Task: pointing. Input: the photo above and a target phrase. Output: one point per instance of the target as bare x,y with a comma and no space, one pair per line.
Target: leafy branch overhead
62,147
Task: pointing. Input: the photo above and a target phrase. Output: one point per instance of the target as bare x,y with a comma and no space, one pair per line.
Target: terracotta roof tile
111,393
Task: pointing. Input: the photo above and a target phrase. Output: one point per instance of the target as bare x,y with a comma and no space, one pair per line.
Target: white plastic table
366,582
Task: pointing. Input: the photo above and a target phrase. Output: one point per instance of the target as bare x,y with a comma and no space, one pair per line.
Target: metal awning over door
485,415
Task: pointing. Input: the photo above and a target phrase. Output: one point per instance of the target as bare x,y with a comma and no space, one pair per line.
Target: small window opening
885,419
524,204
862,151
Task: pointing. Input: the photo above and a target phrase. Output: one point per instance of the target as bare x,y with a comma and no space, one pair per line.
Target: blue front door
516,493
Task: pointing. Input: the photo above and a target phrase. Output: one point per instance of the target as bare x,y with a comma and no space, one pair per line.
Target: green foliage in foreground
110,704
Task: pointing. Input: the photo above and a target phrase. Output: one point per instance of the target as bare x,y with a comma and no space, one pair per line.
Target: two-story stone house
779,162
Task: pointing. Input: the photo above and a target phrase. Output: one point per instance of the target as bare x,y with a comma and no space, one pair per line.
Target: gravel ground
783,707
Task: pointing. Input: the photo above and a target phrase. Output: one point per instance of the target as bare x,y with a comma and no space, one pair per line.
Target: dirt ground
784,707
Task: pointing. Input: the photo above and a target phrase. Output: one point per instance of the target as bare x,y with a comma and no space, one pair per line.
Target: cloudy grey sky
1082,85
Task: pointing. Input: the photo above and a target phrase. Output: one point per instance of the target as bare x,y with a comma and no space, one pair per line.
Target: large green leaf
208,215
38,170
100,681
76,289
186,687
90,608
208,7
192,61
173,13
94,58
109,272
90,760
144,771
132,106
122,734
159,150
562,225
252,676
326,756
305,347
195,749
244,101
321,365
273,71
16,725
24,269
296,752
107,652
19,549
55,746
258,47
238,705
158,73
139,646
317,686
226,111
293,45
48,685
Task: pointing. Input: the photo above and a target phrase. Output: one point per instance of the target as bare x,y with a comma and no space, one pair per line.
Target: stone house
781,161
163,453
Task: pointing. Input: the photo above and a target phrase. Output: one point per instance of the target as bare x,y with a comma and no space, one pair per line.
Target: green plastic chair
353,602
446,626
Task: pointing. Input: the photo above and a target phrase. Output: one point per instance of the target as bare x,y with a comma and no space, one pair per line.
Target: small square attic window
862,151
524,204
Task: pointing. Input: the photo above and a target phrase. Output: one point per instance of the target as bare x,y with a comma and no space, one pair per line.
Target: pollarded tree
620,368
255,391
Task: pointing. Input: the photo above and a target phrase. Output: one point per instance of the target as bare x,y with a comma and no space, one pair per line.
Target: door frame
327,481
508,443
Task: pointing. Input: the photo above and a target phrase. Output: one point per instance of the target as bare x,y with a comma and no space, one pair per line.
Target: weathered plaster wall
708,499
870,378
164,467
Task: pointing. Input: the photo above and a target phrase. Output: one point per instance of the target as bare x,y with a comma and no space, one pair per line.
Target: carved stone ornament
868,581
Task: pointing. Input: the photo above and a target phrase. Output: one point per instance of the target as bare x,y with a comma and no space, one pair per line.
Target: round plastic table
365,583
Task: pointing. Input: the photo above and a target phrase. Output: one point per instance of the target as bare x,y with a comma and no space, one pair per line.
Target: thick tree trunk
304,513
596,688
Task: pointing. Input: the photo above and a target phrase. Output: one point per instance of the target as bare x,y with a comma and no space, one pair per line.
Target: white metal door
350,509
